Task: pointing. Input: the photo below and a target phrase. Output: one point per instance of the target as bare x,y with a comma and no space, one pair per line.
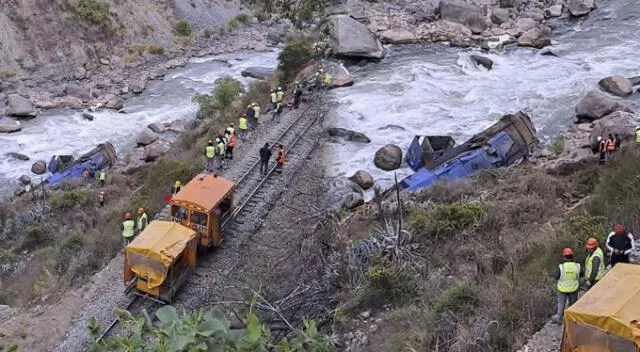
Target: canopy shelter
606,317
152,253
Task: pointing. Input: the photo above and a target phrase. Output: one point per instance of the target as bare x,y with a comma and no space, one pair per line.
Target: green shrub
156,49
243,18
182,28
68,199
209,32
388,282
36,235
93,12
457,299
557,146
261,15
226,90
292,58
233,24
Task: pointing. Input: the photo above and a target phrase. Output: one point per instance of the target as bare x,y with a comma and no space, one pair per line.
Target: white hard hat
599,138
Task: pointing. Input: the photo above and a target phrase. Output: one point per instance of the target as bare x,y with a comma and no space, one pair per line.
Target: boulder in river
537,37
275,35
137,87
39,167
77,91
482,61
596,105
388,157
500,16
146,137
25,179
19,106
553,11
343,193
157,127
18,156
351,38
620,122
8,125
468,15
616,85
348,135
579,8
155,150
114,102
525,24
261,73
362,179
635,80
87,116
398,36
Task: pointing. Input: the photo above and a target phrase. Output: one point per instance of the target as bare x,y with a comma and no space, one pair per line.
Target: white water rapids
437,90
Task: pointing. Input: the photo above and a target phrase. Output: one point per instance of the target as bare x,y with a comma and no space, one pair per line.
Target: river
436,89
166,100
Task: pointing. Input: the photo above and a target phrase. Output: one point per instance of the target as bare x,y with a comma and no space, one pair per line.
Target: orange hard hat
140,210
567,252
591,243
127,216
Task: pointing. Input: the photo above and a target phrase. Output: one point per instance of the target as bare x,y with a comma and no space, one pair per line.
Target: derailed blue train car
433,158
64,168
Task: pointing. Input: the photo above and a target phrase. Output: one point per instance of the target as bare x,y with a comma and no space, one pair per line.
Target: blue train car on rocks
64,168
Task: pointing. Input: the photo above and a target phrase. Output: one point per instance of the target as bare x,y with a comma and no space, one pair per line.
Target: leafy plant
225,92
94,12
243,18
209,32
292,58
182,28
557,146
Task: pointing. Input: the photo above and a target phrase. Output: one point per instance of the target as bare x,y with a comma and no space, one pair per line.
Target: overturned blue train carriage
65,168
433,158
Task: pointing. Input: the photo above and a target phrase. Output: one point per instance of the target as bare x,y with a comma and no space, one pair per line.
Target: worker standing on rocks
265,155
618,141
620,244
280,95
220,152
280,159
210,154
102,177
243,127
101,199
602,149
141,223
297,94
328,80
594,264
637,135
611,147
128,228
568,283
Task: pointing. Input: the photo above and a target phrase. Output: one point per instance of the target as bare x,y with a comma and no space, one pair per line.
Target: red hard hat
567,252
127,216
618,229
591,243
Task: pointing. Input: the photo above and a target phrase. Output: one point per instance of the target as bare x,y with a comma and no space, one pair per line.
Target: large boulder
398,35
616,85
348,135
351,38
18,156
113,101
596,105
500,16
87,116
469,15
261,73
77,91
20,106
525,24
620,122
343,193
553,11
482,61
8,125
388,157
537,37
362,179
25,179
157,127
155,150
276,35
581,7
39,167
146,137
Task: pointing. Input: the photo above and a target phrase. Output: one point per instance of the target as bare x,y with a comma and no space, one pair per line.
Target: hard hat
231,124
177,183
140,210
102,193
296,82
638,128
210,142
618,229
599,138
591,243
567,252
279,88
127,216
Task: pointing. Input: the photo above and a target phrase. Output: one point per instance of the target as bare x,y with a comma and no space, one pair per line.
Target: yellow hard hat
177,184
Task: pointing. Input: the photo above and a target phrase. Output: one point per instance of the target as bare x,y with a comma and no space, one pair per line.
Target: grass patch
224,93
182,28
557,146
243,18
66,200
209,32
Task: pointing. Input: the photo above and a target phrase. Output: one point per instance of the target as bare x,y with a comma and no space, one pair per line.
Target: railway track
251,187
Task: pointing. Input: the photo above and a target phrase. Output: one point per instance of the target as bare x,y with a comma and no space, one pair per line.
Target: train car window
178,213
198,218
225,205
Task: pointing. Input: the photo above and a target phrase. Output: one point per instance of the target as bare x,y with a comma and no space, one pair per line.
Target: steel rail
116,320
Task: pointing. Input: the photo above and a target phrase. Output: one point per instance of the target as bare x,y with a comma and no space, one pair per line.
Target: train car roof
205,190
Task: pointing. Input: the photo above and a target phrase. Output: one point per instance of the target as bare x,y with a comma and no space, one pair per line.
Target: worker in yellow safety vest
568,283
242,127
102,177
230,129
220,152
273,98
128,228
141,223
328,80
256,108
210,155
594,264
637,135
279,95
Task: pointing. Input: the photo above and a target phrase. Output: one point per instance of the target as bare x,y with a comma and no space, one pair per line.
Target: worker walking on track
265,155
128,228
243,127
102,177
256,114
210,154
141,222
231,143
220,152
568,283
280,95
594,264
297,95
620,244
280,159
277,112
273,98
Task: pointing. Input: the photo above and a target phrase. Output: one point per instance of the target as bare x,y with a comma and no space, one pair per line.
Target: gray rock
275,35
343,193
534,14
634,80
388,157
155,150
398,36
9,125
351,38
596,105
468,15
261,73
105,61
77,91
362,179
353,200
537,37
616,85
500,16
348,135
482,61
20,106
87,116
146,137
39,167
157,127
507,3
29,65
553,11
113,101
138,87
525,24
19,191
80,73
579,8
25,179
18,156
620,122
